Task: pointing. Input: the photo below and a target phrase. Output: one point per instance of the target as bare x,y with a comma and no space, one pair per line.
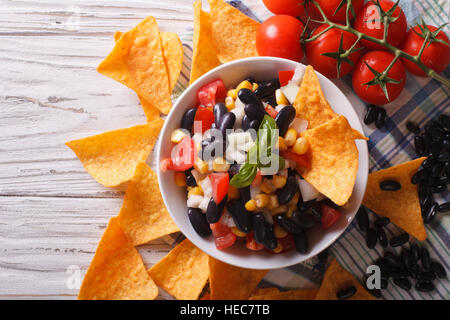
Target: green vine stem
396,51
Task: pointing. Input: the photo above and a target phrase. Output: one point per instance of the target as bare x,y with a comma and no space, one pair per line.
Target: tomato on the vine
368,22
379,61
279,36
290,7
327,43
436,55
329,8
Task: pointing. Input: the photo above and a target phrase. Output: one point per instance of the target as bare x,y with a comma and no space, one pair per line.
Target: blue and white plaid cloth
421,100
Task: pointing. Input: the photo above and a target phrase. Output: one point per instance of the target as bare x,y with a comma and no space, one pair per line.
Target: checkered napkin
421,100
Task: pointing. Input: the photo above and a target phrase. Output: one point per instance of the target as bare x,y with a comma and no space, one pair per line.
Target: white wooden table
52,213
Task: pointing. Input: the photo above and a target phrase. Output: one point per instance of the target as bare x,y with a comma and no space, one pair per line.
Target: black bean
415,254
254,124
438,270
241,217
383,221
198,222
245,194
424,286
444,157
245,124
428,162
403,283
381,118
263,232
305,205
226,122
303,219
436,170
426,276
301,242
219,110
442,179
286,193
390,185
346,293
419,176
435,150
444,207
419,145
412,127
188,119
425,202
438,188
363,219
190,180
371,114
254,112
316,211
214,211
267,88
430,213
284,119
399,240
247,96
288,224
406,258
371,238
272,100
392,259
382,238
426,261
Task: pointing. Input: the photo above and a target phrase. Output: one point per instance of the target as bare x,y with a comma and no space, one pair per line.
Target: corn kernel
233,193
262,200
255,86
229,103
281,145
266,186
294,199
280,209
273,202
290,137
178,135
279,248
232,93
300,146
278,181
201,166
280,98
220,165
278,231
195,191
238,232
250,205
244,85
180,179
290,211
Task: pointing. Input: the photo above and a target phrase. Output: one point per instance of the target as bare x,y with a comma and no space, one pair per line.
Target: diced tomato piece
258,179
219,183
329,216
205,116
251,243
212,92
271,111
285,77
223,236
183,155
301,160
166,164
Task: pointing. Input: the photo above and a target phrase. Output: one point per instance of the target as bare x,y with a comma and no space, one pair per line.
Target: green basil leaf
245,177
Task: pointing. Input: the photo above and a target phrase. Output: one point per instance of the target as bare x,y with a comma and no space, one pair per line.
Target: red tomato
210,93
220,183
329,8
330,42
279,36
285,77
287,243
379,61
367,21
271,111
205,116
223,236
183,155
258,179
290,7
435,55
301,160
329,216
251,243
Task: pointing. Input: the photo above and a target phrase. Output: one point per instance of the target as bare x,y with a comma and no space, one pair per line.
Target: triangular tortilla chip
144,216
204,57
402,207
111,158
117,271
233,32
137,61
183,272
264,292
334,159
301,294
337,278
310,103
228,282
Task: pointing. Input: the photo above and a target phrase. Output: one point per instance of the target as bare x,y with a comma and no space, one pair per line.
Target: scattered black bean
247,96
346,293
263,232
437,169
428,162
234,169
188,119
241,217
198,222
245,124
254,112
363,219
371,238
419,145
288,224
444,157
425,258
426,276
444,207
447,167
406,258
190,180
267,88
392,259
219,110
303,219
438,188
415,252
424,286
371,114
301,242
384,283
382,221
245,194
412,127
438,270
286,193
403,283
430,213
226,122
284,119
390,185
381,118
214,211
382,238
399,240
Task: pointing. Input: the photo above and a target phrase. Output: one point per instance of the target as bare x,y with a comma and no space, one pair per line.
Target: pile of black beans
433,177
375,114
413,262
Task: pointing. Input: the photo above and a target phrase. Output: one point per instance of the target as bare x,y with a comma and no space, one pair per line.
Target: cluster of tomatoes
280,35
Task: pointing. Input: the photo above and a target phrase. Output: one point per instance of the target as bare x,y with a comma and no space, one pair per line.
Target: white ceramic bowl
232,73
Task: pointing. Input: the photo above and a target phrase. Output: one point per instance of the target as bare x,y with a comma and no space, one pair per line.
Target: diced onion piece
239,112
298,75
290,91
307,190
204,204
205,184
193,201
299,125
241,141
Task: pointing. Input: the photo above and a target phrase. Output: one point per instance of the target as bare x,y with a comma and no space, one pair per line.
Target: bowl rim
178,104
